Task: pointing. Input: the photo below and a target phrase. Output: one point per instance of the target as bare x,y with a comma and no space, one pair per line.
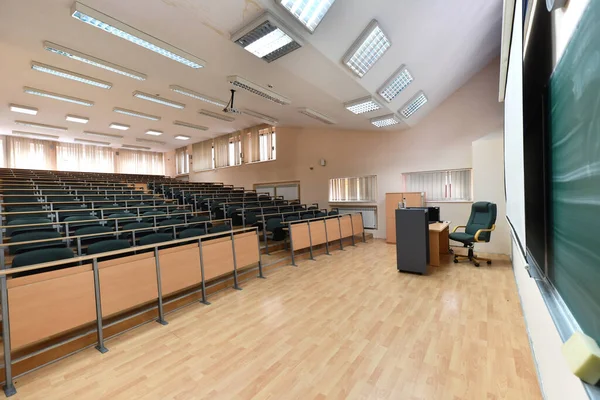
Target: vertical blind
182,161
140,162
30,153
452,185
203,155
354,189
78,157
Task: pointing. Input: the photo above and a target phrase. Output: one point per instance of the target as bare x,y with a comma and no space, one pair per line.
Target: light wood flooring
347,326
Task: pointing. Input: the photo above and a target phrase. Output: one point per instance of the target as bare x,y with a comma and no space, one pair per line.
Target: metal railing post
292,245
264,226
341,238
326,238
352,226
310,248
99,328
9,387
161,314
203,301
235,274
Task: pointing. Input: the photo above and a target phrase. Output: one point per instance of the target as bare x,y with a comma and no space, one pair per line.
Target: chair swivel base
472,258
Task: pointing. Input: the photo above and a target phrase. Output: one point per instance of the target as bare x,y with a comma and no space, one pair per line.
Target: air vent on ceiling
316,115
267,37
216,115
258,90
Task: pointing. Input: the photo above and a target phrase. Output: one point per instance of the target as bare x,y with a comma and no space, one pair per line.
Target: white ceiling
443,43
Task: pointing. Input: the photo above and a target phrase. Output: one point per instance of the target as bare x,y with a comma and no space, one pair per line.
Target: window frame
447,189
374,192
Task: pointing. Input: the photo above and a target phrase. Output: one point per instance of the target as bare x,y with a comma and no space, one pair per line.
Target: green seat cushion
462,237
35,235
107,245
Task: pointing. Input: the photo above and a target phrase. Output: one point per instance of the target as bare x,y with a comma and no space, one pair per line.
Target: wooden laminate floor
344,327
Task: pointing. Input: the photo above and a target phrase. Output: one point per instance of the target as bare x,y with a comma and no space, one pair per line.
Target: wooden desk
438,241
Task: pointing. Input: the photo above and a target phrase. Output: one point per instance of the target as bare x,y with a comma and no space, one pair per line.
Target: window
30,153
454,185
140,162
287,190
232,151
355,189
79,157
204,155
267,144
182,161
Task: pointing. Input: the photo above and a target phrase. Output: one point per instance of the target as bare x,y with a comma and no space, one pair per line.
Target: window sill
236,166
182,175
350,203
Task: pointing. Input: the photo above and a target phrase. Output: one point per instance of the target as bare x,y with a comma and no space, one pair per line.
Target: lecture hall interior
300,199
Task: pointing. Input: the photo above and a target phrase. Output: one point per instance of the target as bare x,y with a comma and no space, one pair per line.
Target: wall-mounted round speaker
552,5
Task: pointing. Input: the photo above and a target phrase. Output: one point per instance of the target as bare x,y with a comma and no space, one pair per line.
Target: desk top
439,226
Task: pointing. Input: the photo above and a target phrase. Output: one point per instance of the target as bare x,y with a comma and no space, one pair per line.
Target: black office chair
479,229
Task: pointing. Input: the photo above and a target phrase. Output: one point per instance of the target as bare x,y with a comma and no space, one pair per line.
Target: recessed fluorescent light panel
56,96
124,31
395,84
23,109
93,142
364,105
79,120
41,126
413,105
316,115
386,120
96,62
367,49
103,135
258,90
137,114
149,141
191,126
120,127
260,116
63,73
308,12
216,116
35,135
158,100
182,137
153,132
266,38
197,96
133,146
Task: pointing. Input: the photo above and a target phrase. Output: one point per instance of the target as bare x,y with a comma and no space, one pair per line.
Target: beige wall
443,140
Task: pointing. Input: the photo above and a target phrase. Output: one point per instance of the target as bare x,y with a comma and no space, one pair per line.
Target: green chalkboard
574,121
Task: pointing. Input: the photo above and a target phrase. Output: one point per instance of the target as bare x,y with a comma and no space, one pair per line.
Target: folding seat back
108,245
97,234
35,235
155,238
42,256
192,233
31,222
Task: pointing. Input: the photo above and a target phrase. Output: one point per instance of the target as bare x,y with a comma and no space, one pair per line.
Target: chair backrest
13,231
219,228
292,218
191,233
170,222
35,235
107,245
483,216
41,256
155,238
273,223
136,225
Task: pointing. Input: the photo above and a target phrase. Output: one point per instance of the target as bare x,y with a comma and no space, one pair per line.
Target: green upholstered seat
462,237
292,218
219,228
35,235
42,256
334,212
483,216
320,215
79,221
198,222
155,238
108,245
191,233
91,230
28,221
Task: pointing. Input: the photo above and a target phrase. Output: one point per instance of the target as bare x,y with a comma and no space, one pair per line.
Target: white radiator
369,215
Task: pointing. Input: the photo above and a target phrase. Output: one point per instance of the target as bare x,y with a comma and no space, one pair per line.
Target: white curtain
30,153
267,144
235,149
251,143
182,161
361,188
203,155
78,157
221,145
140,162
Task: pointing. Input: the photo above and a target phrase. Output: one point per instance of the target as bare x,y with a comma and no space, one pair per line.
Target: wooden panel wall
357,224
317,232
218,257
333,229
179,268
246,249
300,236
346,223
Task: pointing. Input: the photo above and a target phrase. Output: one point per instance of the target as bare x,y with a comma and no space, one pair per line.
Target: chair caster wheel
489,263
477,264
455,261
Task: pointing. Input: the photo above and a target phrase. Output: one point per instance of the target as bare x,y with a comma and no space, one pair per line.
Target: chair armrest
460,226
483,230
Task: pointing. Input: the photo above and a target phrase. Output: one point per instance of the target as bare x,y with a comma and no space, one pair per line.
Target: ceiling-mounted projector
229,108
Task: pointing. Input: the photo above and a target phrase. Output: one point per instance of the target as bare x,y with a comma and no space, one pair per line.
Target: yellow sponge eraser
583,356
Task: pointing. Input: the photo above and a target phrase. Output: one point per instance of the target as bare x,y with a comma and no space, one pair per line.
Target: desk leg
445,241
434,248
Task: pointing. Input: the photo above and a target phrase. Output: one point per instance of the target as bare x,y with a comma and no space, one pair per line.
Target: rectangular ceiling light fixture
96,62
63,73
316,115
121,127
79,120
216,116
258,90
413,105
267,37
367,49
386,120
92,142
395,84
262,117
149,141
23,109
153,132
103,135
41,126
35,135
56,96
137,114
182,137
197,96
191,126
364,105
133,146
108,24
308,13
158,100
